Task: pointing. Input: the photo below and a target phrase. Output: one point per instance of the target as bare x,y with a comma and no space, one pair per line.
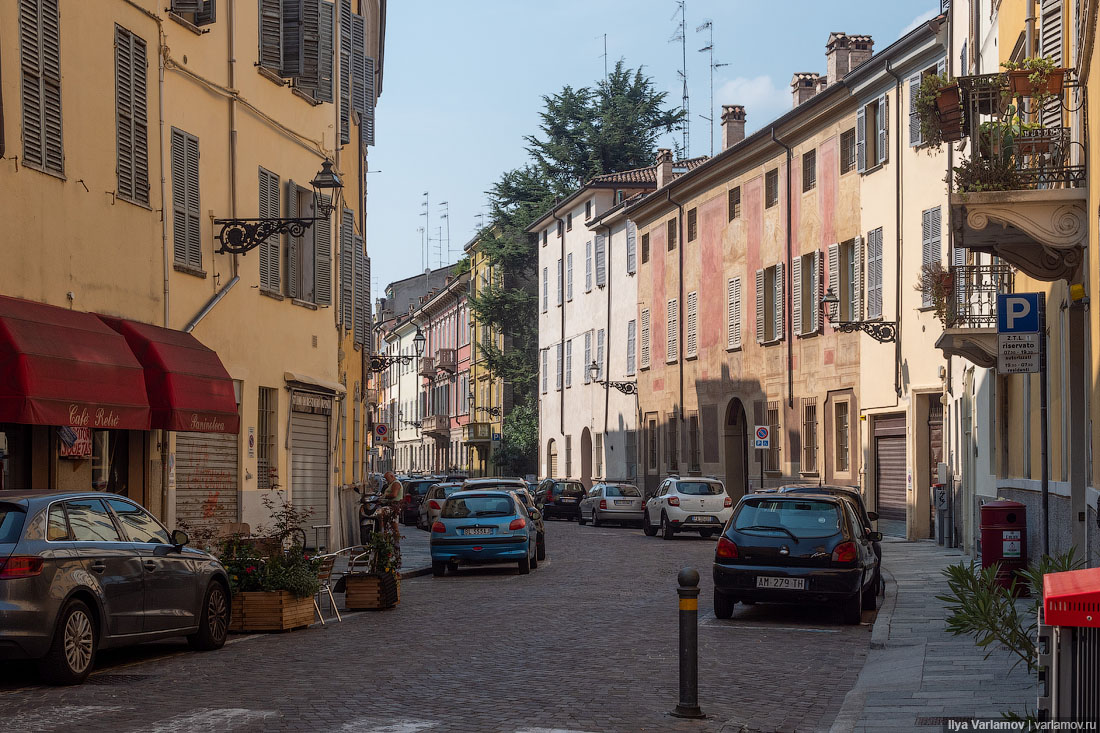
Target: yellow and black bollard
688,707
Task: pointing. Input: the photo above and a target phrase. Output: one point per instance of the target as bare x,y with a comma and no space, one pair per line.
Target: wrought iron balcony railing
975,288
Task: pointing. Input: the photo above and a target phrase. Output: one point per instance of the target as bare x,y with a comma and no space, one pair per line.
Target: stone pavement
917,675
416,555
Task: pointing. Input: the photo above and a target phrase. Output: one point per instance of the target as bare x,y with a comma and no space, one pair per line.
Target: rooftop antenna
708,26
681,36
604,55
439,244
480,220
423,249
447,215
424,230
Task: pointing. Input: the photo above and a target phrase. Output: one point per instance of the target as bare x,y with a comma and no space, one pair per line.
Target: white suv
694,503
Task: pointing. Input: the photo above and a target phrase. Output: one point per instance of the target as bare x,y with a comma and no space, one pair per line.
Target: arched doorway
551,459
586,458
736,438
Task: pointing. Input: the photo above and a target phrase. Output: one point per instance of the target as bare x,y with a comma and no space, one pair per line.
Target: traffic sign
1018,313
762,437
1017,353
382,432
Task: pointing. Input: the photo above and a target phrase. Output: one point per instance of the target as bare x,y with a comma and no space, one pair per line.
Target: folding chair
324,574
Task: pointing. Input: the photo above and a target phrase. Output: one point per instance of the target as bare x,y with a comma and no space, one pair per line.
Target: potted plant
373,581
937,105
977,174
938,283
1036,77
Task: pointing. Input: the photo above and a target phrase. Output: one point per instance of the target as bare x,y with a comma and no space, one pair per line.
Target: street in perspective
686,365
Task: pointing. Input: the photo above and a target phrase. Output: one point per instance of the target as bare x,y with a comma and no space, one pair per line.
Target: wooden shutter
293,26
587,355
358,66
569,276
819,288
208,14
347,268
561,284
362,288
780,289
185,6
40,60
545,289
345,71
914,117
1050,46
883,116
587,267
326,37
692,344
631,247
733,313
759,306
599,353
834,270
132,119
796,294
601,260
293,245
186,220
569,363
861,139
559,351
857,279
271,34
322,257
645,339
310,78
270,258
874,273
368,83
672,342
631,345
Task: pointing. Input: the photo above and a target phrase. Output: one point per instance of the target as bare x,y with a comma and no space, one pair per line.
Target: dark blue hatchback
483,527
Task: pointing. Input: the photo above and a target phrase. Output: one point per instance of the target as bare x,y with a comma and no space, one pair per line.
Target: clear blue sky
464,83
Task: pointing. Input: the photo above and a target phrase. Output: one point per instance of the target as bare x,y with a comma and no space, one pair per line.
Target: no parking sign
382,432
762,438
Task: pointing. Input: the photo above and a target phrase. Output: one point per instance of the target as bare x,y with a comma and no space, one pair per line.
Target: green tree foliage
519,441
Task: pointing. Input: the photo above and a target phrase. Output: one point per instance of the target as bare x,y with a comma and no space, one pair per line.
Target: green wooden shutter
208,14
322,257
271,34
40,63
358,63
759,306
362,288
186,220
347,268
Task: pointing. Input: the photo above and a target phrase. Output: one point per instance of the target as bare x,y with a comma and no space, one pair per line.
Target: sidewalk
916,674
416,555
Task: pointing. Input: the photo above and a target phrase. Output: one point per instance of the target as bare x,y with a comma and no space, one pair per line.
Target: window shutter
347,268
601,260
819,288
631,247
834,270
914,117
1050,46
322,249
545,289
569,363
631,345
40,59
796,295
362,290
874,273
310,78
645,338
692,344
861,139
271,34
185,6
587,355
358,67
545,372
561,277
559,349
588,267
186,222
345,71
672,343
599,352
368,80
883,128
131,117
759,306
270,261
733,308
208,14
293,38
779,303
935,234
325,47
293,245
857,277
569,276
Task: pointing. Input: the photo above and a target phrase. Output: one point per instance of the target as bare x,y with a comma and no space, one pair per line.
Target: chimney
862,48
664,167
733,125
804,85
844,53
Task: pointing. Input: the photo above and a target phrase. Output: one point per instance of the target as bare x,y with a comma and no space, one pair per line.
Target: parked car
611,502
432,504
561,498
415,488
796,548
80,572
519,487
692,503
852,495
483,526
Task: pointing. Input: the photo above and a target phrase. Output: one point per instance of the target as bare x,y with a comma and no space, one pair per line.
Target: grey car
611,502
81,572
432,504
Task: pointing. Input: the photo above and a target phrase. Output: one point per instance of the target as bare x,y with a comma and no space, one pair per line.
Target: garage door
890,473
206,479
309,469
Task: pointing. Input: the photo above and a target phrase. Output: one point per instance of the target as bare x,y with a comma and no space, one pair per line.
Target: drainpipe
790,346
561,394
679,311
1029,27
163,181
607,341
231,27
211,303
899,200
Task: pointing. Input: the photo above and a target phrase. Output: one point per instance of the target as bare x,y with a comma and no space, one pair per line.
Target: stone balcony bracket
976,345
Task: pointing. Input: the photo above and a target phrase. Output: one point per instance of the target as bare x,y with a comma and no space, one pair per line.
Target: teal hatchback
481,527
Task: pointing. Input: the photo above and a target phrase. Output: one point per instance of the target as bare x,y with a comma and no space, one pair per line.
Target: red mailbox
1004,538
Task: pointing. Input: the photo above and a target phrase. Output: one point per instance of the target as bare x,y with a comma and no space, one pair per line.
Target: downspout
786,303
561,392
607,340
211,303
899,201
163,180
1029,27
679,313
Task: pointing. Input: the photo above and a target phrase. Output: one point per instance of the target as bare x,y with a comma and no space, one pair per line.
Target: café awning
64,367
189,389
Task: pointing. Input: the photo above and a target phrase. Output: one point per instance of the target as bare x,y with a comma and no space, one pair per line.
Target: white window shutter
588,267
796,295
731,320
883,128
914,117
857,277
819,288
692,345
672,342
834,270
645,338
569,276
601,260
569,363
545,289
759,306
545,372
559,348
599,352
736,343
861,139
631,344
631,247
587,355
560,284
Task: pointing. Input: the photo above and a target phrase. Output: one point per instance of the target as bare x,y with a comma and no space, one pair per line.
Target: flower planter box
277,610
1020,83
372,591
948,102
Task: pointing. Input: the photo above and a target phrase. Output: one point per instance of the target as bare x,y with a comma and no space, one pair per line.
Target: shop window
110,461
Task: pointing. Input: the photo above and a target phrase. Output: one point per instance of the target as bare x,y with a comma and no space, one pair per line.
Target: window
645,339
545,373
809,435
297,41
588,209
57,527
840,420
735,203
568,455
561,227
631,247
771,456
693,441
631,454
544,233
569,276
601,260
645,248
872,134
691,345
916,135
809,171
266,427
138,524
599,353
845,278
186,236
597,454
559,348
673,444
847,151
874,273
569,363
588,267
631,338
90,521
769,304
587,355
733,313
672,331
131,117
569,221
545,289
651,450
270,260
806,305
670,234
196,12
930,247
771,188
309,259
560,284
40,61
693,224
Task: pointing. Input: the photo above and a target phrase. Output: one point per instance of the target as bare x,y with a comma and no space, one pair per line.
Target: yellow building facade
488,405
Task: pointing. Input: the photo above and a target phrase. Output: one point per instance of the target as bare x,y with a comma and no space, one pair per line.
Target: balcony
437,425
477,432
427,367
1019,191
370,396
971,317
445,360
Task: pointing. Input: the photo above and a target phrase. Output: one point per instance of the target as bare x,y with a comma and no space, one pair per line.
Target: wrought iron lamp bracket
624,387
381,362
881,331
241,236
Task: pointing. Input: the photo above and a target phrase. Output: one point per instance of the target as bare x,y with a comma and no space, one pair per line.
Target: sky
463,84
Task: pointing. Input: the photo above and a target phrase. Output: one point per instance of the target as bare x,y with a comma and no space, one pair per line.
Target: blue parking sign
1018,313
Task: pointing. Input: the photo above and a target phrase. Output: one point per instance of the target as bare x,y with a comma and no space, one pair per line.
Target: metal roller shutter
206,479
309,471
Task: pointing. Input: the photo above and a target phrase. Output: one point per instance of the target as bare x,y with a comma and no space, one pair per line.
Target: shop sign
86,417
200,423
311,402
75,442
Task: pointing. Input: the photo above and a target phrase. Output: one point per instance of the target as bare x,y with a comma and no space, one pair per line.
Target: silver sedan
610,502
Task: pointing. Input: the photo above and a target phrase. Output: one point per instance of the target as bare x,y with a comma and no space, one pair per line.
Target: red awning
189,389
64,367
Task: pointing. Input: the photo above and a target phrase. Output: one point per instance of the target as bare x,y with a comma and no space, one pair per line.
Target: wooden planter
948,103
276,610
1051,84
372,591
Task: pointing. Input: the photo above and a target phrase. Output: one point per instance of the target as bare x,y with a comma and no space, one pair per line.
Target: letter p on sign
1018,313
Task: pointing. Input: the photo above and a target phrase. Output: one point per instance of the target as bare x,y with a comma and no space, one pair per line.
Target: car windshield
802,519
418,487
468,507
621,491
698,488
11,522
448,490
569,488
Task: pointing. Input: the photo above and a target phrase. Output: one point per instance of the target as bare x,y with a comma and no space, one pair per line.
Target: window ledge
306,96
271,76
732,349
186,23
873,169
271,294
808,473
691,357
41,169
925,308
189,270
808,334
773,474
135,202
304,304
773,342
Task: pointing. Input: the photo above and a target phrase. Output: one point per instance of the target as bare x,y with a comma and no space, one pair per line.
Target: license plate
702,518
622,502
478,530
568,501
764,581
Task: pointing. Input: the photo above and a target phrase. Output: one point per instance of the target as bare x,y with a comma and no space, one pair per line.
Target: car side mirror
180,538
873,516
874,536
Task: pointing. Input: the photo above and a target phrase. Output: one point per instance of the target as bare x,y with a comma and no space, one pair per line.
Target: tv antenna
681,36
604,55
447,215
424,231
708,26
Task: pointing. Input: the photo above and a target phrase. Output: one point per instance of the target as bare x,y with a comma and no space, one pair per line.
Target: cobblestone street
587,642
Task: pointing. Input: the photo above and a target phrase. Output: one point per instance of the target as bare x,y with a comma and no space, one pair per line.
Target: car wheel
649,529
596,521
213,620
667,532
72,653
525,565
540,548
723,605
580,519
869,595
439,569
535,558
852,609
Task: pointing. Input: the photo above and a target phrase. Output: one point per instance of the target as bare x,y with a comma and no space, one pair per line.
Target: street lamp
881,331
241,236
381,362
418,342
624,387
